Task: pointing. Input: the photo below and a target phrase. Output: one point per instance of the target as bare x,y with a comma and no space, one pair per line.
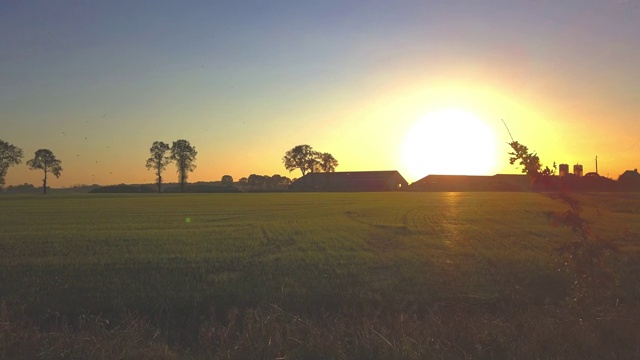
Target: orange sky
97,84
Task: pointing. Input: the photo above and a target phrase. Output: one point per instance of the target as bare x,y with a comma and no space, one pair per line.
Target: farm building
500,182
629,180
350,181
513,182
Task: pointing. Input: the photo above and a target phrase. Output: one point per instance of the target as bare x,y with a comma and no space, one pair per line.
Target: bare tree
45,160
158,160
184,155
9,155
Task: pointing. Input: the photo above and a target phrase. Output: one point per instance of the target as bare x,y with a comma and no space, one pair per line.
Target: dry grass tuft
91,337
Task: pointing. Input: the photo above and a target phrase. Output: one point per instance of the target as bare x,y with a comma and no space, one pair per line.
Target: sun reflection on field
452,236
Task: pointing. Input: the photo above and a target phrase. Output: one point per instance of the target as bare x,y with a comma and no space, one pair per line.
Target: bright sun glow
450,142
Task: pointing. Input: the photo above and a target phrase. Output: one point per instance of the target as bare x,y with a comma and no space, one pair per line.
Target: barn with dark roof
629,180
500,182
350,181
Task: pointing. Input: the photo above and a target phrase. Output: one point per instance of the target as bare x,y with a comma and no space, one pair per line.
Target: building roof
351,181
499,182
630,180
631,173
516,182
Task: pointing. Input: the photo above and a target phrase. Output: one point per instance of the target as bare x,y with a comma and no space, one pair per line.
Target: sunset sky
245,81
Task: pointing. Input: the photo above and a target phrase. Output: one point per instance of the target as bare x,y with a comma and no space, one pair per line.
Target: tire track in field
433,233
441,223
382,236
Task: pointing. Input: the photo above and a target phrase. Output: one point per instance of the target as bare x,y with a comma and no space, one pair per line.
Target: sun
450,142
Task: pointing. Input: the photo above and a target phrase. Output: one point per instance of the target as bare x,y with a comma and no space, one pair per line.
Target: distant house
629,180
350,181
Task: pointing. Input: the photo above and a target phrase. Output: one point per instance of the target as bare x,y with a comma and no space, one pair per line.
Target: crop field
303,275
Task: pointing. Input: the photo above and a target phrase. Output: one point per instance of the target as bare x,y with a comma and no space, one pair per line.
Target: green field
349,265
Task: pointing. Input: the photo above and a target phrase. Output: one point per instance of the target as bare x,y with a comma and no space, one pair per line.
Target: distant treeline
31,189
252,183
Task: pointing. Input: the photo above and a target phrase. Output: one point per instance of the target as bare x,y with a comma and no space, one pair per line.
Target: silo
564,169
577,170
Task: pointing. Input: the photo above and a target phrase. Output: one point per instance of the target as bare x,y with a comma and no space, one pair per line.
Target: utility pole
597,165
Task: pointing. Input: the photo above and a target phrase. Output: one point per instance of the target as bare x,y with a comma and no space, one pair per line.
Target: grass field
297,275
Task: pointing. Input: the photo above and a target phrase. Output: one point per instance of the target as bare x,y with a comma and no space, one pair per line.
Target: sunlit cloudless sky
244,81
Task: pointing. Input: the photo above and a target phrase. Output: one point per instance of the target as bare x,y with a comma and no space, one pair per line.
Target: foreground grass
386,275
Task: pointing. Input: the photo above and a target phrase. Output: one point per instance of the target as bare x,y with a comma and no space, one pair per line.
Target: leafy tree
258,182
301,157
158,160
587,256
279,182
9,155
530,162
45,160
305,158
243,181
184,155
326,162
227,180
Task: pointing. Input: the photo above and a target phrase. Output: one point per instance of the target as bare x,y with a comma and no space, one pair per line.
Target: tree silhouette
227,180
258,182
184,155
301,157
279,182
9,155
45,160
158,160
326,162
530,162
587,255
305,158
